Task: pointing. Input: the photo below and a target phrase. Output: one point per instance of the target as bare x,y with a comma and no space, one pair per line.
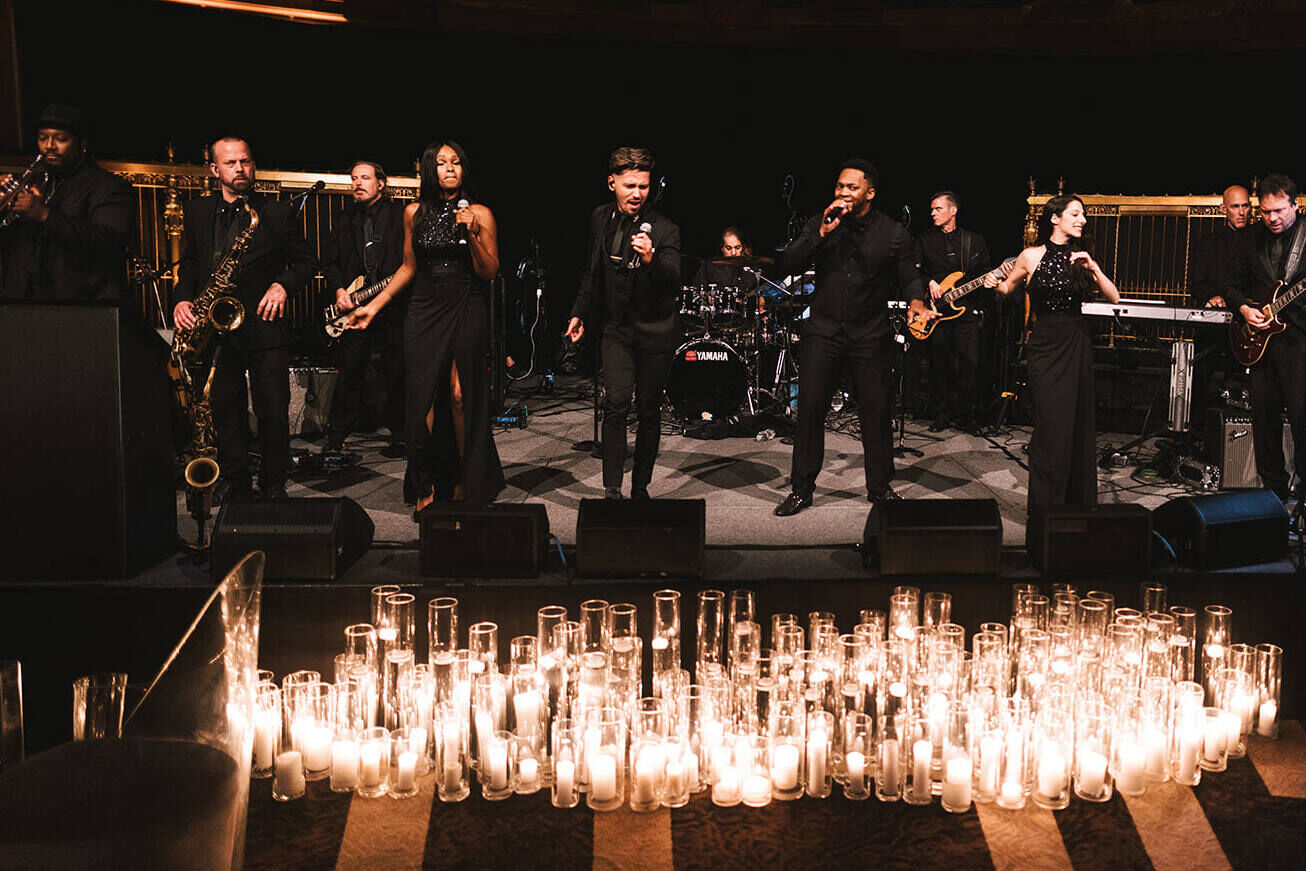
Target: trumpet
35,175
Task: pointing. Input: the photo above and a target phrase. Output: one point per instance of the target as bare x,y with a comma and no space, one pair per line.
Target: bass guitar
1249,343
333,318
921,327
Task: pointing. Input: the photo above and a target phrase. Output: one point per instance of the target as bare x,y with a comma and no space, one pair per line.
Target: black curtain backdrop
539,116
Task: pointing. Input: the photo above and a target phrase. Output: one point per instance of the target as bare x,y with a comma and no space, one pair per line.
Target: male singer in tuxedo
1274,250
628,296
863,259
368,241
277,263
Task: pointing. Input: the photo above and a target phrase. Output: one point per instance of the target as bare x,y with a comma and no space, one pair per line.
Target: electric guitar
921,327
1249,343
333,319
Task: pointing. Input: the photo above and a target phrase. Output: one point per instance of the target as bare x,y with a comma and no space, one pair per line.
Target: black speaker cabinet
1229,445
623,538
87,469
934,536
496,541
1080,541
1223,530
304,539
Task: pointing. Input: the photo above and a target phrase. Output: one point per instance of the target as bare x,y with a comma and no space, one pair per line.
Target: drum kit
739,347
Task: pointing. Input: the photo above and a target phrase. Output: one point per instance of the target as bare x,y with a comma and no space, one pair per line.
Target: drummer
724,274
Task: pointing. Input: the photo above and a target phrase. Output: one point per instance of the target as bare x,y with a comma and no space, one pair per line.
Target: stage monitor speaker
934,536
305,539
1224,530
624,538
496,541
87,474
1080,541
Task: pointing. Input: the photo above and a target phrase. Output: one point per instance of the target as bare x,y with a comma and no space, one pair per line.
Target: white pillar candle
1015,772
1154,749
484,732
406,776
720,761
564,779
603,776
726,788
889,766
593,740
675,778
1213,740
315,742
816,757
956,782
1269,710
453,777
265,738
528,771
855,763
990,748
344,764
921,784
1133,762
1051,772
1092,772
757,789
527,707
1011,792
369,757
1233,725
453,741
646,783
289,779
1190,747
784,767
498,762
691,770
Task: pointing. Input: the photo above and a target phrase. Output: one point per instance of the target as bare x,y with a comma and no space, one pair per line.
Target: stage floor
741,479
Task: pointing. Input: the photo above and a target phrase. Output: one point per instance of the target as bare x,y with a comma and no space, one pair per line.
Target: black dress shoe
886,495
274,494
639,494
611,492
939,425
792,504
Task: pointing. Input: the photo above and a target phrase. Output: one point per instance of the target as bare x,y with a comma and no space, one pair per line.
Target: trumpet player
277,264
70,219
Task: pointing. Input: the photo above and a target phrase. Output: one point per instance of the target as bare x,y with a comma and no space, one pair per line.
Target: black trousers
269,382
353,354
1063,447
954,349
822,361
636,362
1278,387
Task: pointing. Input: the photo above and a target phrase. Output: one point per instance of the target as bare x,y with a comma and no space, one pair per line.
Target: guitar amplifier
311,389
1230,448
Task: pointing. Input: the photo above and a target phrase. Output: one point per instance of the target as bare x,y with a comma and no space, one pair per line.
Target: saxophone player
277,263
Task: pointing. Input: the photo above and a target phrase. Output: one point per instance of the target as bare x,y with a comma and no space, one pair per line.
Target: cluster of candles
1073,695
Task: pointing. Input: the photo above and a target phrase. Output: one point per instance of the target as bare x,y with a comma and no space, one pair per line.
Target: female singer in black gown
450,253
1061,274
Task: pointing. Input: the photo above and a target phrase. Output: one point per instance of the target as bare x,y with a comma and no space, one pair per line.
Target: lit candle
855,762
344,764
1190,747
453,777
816,754
498,759
1130,777
921,784
889,769
1233,725
1092,772
370,766
990,747
406,779
593,740
289,779
646,782
453,741
527,707
1154,746
1265,720
956,783
691,770
484,731
528,771
265,738
315,742
784,767
1016,759
726,789
603,776
1051,772
564,779
1012,793
675,779
757,789
1213,742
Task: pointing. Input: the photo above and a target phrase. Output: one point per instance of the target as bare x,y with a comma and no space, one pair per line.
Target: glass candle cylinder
1091,618
405,750
441,627
605,759
1235,695
786,730
451,757
727,777
903,610
665,641
489,712
890,755
709,631
1151,597
1188,734
622,621
1183,644
1269,680
1217,635
675,772
919,789
288,781
1155,724
566,759
497,765
360,643
1054,752
1092,780
397,700
310,714
936,609
267,729
1019,592
344,762
752,759
546,618
1128,746
878,621
1215,739
594,625
397,621
857,737
647,768
528,766
958,766
1016,765
483,647
377,612
373,762
818,770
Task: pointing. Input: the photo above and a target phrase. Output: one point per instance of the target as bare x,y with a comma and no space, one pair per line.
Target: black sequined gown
448,322
1062,450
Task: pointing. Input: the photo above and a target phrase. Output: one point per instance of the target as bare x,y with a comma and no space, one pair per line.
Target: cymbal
746,260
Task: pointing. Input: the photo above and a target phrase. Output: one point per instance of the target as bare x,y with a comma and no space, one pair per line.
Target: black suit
277,253
342,262
1278,380
954,347
80,251
634,310
1208,265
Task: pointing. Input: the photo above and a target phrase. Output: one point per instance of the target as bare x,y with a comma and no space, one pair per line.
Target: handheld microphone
463,204
646,228
835,214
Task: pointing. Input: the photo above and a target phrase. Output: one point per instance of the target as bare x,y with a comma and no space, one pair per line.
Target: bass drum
708,381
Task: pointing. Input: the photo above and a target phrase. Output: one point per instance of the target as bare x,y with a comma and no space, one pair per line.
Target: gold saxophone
216,310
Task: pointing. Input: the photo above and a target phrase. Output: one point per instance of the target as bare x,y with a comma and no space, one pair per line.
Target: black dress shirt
613,293
860,266
942,254
1210,262
1255,265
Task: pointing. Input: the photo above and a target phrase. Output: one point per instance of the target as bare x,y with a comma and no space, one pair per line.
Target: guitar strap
1294,254
965,253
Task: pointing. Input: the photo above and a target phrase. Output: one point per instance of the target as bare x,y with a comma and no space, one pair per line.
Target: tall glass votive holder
441,627
1217,635
1269,686
1155,725
936,609
1151,597
546,618
594,625
1188,734
483,647
288,781
400,616
622,620
709,631
665,641
451,757
566,757
373,762
958,767
530,763
819,757
267,729
311,713
403,763
752,759
1015,759
903,620
727,775
1215,739
498,755
919,765
1093,780
344,762
1054,752
858,755
675,773
396,686
1128,747
360,643
1183,644
891,768
1234,693
647,768
377,612
698,749
605,760
786,732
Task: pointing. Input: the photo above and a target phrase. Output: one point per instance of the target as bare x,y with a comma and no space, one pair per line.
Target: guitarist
367,242
1274,250
954,347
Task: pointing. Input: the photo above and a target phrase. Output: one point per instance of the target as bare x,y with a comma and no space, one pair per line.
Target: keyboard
1144,310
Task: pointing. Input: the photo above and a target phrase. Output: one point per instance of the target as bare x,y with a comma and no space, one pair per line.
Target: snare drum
694,309
708,380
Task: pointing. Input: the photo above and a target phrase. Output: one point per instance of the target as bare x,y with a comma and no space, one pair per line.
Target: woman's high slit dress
1062,449
448,322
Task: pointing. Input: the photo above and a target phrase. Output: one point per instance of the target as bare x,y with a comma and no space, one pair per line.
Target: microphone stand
901,340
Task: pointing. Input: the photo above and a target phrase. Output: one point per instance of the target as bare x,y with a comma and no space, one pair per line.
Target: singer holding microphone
628,296
863,259
451,252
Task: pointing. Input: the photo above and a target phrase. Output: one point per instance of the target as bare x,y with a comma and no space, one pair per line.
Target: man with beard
277,263
368,242
70,242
